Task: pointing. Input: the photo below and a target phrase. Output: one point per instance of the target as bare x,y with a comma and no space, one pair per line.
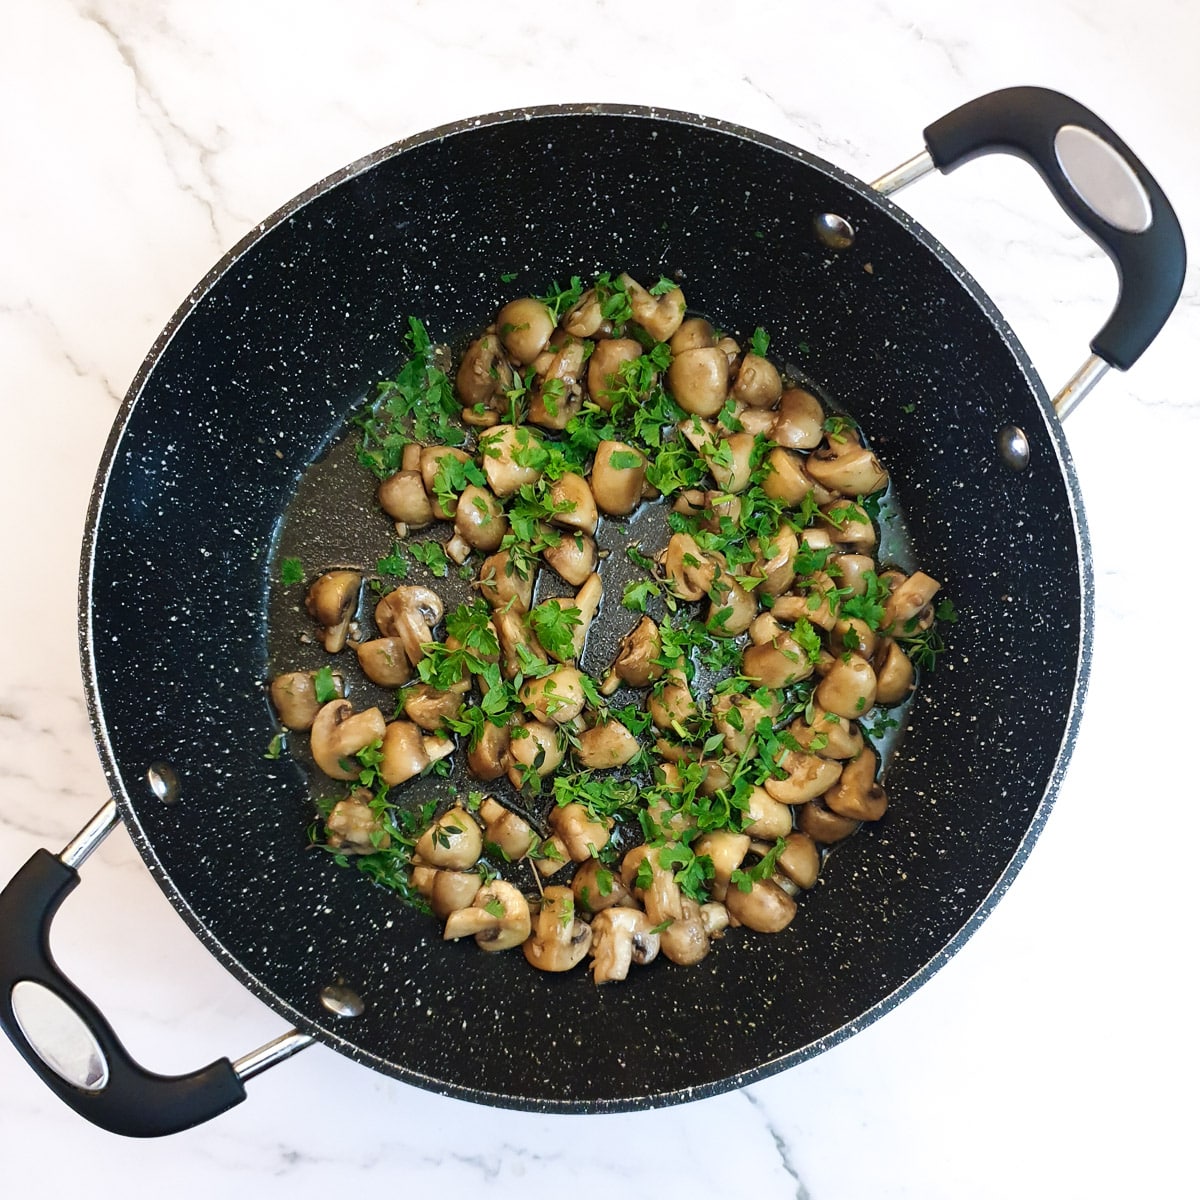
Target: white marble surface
1056,1055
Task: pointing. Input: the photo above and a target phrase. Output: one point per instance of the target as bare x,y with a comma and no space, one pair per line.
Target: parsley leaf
291,571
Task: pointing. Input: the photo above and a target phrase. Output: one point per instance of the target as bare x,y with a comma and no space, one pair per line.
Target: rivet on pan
1014,447
164,783
342,1001
833,231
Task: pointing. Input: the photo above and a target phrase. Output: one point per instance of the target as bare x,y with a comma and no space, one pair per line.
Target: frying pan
252,383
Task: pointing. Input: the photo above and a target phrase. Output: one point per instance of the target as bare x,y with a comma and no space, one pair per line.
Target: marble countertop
1056,1054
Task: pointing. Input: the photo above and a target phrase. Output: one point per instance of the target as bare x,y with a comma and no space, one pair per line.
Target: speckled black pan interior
256,376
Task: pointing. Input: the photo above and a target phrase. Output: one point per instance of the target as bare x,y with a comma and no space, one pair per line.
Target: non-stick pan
253,382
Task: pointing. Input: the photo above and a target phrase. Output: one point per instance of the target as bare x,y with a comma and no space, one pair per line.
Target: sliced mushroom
597,887
827,734
409,614
502,585
757,383
618,472
560,939
557,696
671,704
403,497
775,560
525,327
849,524
331,602
384,662
636,662
574,558
737,717
604,367
685,941
731,607
574,504
824,826
621,937
849,468
808,776
582,836
489,757
453,840
858,794
511,455
729,459
557,396
777,663
604,746
517,648
907,602
508,831
765,908
484,376
699,380
353,827
339,733
786,481
294,695
446,891
498,919
689,572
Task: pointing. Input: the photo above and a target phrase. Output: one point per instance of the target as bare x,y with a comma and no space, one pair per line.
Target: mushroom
766,817
597,887
560,939
498,919
907,603
618,472
849,468
737,718
786,481
685,941
384,662
479,519
689,573
694,333
446,891
849,524
518,651
510,456
800,423
403,497
852,570
407,752
581,836
585,318
574,558
849,687
714,916
353,826
294,695
731,607
808,776
504,829
765,908
698,379
525,327
557,396
604,368
339,733
433,473
502,585
573,503
452,841
484,376
827,734
585,604
775,560
729,459
777,663
824,826
894,673
488,758
671,704
430,708
659,315
621,937
726,850
757,382
557,696
800,860
858,795
855,635
331,602
534,750
636,662
409,615
606,745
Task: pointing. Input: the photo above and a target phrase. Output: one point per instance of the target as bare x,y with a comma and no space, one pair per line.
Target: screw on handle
125,1098
1101,185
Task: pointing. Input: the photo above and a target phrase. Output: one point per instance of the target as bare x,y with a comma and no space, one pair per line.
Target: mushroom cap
493,930
339,733
765,908
453,840
560,939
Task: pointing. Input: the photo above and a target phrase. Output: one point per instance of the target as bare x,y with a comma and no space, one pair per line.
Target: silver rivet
342,1001
1014,447
164,783
833,231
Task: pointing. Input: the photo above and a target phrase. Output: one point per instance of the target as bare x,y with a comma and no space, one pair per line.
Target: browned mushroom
407,751
511,456
403,497
331,602
607,745
597,887
659,315
857,794
484,376
765,908
525,327
636,662
604,368
354,827
620,938
757,383
699,380
582,836
339,733
384,662
294,695
618,472
505,829
560,939
453,840
502,585
800,423
409,615
498,919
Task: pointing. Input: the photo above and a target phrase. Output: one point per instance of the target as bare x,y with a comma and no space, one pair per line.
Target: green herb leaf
291,570
324,686
759,341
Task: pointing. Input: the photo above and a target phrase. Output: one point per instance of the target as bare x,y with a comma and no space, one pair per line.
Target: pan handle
64,1037
1101,185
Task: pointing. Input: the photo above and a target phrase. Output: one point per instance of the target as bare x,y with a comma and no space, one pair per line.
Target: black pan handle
98,1078
1102,186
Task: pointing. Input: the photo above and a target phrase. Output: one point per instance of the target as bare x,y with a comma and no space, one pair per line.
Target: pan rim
328,1034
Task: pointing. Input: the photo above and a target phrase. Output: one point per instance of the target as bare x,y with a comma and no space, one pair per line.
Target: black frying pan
254,379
